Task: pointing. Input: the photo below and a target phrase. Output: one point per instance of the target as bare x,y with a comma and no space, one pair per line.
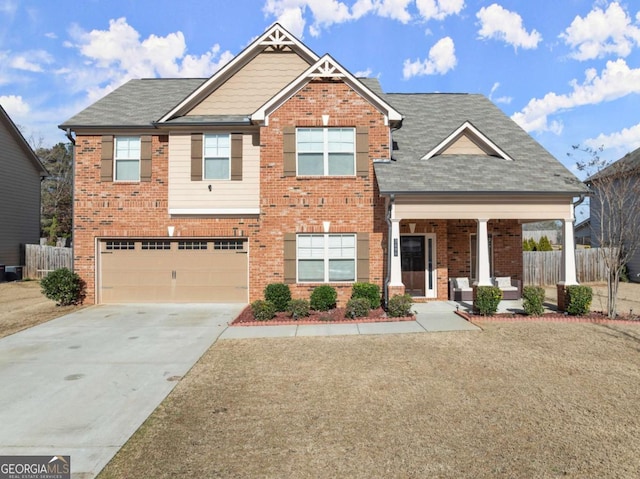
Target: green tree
57,190
544,244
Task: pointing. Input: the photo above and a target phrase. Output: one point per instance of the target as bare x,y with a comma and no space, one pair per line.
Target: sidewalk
436,316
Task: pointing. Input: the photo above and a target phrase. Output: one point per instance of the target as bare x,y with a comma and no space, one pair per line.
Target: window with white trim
217,157
324,258
325,151
127,158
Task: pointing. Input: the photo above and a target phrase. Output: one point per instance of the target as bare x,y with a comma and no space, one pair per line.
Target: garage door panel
173,271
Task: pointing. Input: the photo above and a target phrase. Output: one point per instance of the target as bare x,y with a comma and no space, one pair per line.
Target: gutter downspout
73,195
387,279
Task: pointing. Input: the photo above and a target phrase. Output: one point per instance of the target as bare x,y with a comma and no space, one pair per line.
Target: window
228,245
156,245
217,154
326,258
120,245
192,245
127,158
326,151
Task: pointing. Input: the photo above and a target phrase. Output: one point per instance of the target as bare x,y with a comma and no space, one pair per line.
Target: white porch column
569,276
482,244
395,278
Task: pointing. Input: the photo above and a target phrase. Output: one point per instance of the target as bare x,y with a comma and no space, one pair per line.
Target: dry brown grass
22,306
519,400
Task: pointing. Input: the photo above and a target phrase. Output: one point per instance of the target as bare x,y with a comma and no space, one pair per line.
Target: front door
413,264
418,259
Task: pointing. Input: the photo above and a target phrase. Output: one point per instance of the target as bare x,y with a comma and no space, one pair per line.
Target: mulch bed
593,317
333,316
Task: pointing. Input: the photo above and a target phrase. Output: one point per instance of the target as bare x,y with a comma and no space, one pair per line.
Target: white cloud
439,9
51,35
502,99
31,61
14,105
363,74
498,23
394,9
626,140
115,55
601,33
8,7
616,81
442,58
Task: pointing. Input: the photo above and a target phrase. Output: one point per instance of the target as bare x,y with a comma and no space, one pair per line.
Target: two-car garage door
173,271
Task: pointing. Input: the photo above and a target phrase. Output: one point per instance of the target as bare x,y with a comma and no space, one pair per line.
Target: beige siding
518,208
227,194
251,87
19,199
464,145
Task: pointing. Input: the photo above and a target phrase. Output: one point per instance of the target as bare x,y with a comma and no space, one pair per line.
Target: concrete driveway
81,385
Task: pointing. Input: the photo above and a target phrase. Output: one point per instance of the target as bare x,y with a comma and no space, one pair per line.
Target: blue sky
567,71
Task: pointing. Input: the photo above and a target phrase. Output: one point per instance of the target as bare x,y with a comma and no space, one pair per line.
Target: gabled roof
275,38
13,130
429,120
326,67
467,129
137,103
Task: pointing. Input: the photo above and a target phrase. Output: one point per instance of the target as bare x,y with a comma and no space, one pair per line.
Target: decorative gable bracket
468,129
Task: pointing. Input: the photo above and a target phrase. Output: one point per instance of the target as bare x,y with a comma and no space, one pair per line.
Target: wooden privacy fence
545,267
41,260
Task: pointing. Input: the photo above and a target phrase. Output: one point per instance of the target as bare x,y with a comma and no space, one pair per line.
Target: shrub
64,287
532,300
487,300
368,291
263,310
544,244
578,300
400,305
357,308
298,308
323,298
279,294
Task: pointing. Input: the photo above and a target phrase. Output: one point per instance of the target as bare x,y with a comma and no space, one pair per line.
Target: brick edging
303,322
551,318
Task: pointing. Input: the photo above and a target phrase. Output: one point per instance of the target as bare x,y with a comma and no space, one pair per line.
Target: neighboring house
625,225
284,167
20,175
582,232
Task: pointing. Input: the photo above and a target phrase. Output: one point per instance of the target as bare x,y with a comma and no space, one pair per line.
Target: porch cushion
503,282
462,283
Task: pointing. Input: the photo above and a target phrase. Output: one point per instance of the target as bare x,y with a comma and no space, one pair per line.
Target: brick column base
562,296
393,290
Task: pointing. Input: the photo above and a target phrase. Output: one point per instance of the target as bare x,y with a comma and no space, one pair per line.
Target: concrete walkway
430,318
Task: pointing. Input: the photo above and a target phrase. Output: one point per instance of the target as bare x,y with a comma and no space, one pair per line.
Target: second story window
127,158
217,157
325,151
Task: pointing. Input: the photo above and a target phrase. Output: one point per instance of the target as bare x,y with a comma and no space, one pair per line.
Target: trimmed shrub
579,299
323,298
532,300
368,291
263,310
487,300
298,308
357,308
64,287
279,294
400,305
544,244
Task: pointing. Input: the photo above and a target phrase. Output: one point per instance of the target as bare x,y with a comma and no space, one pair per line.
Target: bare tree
614,212
56,214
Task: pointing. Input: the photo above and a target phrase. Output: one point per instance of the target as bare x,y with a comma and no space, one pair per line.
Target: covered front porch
434,240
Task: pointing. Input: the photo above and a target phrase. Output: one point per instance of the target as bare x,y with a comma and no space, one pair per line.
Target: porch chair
511,288
460,289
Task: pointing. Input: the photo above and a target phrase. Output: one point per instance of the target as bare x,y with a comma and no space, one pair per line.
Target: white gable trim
325,67
466,126
275,37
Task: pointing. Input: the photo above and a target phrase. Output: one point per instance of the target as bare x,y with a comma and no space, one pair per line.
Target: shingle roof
628,164
431,118
136,103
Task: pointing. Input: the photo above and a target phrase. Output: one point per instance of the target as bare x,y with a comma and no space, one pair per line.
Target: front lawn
519,400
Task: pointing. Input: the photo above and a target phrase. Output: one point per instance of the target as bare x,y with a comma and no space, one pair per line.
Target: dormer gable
276,46
326,68
467,140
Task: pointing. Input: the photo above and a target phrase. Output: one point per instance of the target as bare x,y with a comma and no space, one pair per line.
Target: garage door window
156,245
192,245
228,244
120,245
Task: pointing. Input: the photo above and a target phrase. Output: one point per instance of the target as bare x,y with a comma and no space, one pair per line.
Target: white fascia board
323,68
214,211
466,126
276,35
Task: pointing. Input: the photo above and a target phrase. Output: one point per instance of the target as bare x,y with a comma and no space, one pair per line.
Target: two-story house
284,167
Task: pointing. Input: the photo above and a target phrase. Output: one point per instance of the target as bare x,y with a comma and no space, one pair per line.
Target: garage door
173,271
